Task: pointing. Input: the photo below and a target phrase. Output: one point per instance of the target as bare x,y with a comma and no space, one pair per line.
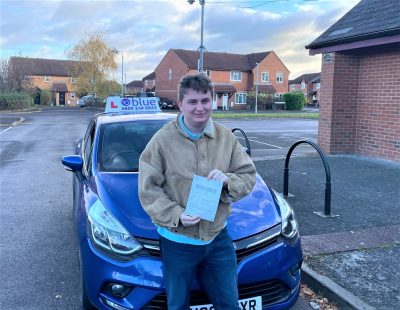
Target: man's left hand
219,176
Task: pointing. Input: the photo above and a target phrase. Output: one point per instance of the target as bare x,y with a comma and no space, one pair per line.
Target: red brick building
134,87
232,75
360,81
309,84
149,82
48,74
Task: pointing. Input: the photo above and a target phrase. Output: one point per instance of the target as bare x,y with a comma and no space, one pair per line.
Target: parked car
119,252
90,100
166,103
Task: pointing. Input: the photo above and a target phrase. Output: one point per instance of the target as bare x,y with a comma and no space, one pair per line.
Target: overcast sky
145,30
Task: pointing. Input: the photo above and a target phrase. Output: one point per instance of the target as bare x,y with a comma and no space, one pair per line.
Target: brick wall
169,87
360,103
378,121
273,65
39,81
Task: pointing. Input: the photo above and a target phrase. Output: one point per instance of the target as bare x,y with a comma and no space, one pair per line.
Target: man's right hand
188,220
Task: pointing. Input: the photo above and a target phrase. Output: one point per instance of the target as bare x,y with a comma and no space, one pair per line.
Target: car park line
275,146
6,129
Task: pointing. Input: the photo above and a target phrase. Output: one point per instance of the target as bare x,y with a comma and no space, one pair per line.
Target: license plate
254,303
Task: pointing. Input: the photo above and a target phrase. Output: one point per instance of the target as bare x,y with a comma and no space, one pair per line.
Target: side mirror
247,148
72,163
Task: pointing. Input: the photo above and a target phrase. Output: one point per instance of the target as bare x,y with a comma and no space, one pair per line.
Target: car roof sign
135,105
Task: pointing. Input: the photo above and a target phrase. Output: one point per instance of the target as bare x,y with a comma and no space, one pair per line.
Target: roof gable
308,77
44,67
368,19
221,61
151,76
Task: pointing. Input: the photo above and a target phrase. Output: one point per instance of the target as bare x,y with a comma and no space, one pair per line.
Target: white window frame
146,82
265,74
72,80
236,76
47,79
292,86
303,85
170,74
240,98
72,94
279,77
318,86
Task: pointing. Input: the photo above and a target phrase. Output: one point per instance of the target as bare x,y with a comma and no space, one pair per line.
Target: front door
225,102
215,101
61,98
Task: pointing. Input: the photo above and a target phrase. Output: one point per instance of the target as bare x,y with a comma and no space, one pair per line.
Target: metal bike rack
248,151
327,212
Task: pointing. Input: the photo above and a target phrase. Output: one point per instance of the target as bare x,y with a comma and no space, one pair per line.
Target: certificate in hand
204,198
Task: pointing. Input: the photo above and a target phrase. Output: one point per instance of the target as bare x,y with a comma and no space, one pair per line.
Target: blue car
119,252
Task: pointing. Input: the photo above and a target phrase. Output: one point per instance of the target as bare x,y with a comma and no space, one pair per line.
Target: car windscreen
122,143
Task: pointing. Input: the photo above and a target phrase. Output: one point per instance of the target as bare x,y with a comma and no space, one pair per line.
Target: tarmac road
38,248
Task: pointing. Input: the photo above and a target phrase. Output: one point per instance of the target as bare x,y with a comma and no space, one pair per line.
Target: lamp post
115,51
256,86
201,48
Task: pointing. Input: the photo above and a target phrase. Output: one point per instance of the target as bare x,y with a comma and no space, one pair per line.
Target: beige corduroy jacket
168,164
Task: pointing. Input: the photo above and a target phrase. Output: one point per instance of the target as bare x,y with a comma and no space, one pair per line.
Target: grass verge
310,115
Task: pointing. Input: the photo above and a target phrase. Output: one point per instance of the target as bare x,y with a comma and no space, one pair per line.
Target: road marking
278,147
5,129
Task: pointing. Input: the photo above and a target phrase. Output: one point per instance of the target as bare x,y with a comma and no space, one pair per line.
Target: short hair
198,82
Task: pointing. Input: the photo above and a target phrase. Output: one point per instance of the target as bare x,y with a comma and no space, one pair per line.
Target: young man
194,145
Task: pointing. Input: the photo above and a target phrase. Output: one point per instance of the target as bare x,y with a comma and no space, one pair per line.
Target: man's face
196,107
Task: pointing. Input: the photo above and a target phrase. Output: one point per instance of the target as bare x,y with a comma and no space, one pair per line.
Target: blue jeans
215,264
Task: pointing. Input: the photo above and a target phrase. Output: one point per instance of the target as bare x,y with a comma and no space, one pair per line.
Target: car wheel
86,304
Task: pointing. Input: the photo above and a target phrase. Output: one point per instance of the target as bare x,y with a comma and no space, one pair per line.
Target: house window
318,86
47,79
292,86
279,77
72,95
72,80
236,76
240,98
303,85
265,77
170,74
146,82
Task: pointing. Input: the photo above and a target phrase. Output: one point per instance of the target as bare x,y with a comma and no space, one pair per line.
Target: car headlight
108,233
290,227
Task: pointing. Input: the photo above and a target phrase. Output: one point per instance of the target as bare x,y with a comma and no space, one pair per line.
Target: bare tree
93,62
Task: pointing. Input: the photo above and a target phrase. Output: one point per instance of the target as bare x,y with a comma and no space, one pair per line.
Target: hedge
15,101
294,100
45,97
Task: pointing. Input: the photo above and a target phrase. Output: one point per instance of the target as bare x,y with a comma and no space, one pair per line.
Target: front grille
243,253
272,292
244,247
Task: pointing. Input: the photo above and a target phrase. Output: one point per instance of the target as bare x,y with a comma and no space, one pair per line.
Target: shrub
15,101
45,97
294,100
264,101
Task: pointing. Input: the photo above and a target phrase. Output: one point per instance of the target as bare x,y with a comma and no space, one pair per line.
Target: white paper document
204,198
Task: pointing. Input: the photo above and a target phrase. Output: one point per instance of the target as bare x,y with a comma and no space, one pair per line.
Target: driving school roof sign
132,105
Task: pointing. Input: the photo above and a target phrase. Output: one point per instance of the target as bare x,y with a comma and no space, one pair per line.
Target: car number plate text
254,303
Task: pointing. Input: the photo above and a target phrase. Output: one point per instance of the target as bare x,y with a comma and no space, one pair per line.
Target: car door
82,187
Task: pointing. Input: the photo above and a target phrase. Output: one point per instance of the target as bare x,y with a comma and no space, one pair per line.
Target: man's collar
208,130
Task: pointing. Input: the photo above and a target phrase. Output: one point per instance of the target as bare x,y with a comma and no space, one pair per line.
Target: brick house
360,74
48,74
134,87
309,84
232,75
149,82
